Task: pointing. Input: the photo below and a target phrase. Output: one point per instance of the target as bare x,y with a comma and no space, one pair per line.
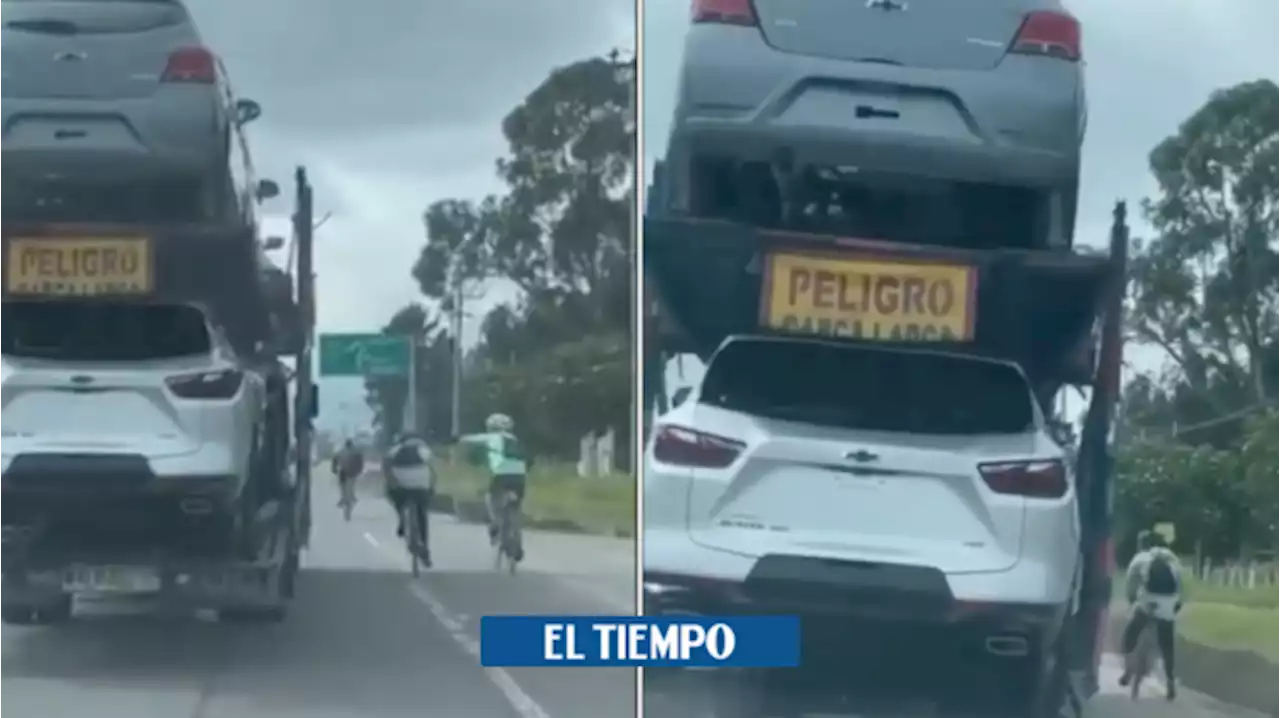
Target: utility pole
634,250
410,419
455,409
630,68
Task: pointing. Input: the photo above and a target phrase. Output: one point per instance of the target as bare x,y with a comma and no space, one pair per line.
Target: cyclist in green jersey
505,459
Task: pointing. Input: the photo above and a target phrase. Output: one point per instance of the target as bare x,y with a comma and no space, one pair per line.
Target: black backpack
352,464
407,455
1161,580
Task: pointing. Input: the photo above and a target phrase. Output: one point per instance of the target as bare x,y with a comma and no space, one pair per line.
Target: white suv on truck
910,505
128,428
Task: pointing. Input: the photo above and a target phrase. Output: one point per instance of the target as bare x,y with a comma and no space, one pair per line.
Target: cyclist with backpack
411,481
508,467
348,464
1153,585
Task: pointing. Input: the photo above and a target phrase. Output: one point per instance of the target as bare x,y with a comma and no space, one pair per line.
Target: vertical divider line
638,190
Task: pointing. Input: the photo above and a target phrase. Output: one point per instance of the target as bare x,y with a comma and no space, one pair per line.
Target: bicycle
1142,660
348,499
509,539
415,536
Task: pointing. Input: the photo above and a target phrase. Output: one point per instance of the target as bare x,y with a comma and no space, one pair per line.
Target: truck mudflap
221,268
716,279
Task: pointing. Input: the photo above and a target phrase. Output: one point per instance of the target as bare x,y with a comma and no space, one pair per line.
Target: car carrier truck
81,522
1057,314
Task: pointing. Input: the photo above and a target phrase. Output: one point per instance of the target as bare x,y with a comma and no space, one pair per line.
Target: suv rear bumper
941,158
74,476
851,611
56,507
924,647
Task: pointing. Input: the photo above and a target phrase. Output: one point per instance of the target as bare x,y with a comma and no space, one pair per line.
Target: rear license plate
66,267
111,579
876,300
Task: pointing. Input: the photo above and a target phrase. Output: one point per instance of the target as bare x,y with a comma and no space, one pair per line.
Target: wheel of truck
737,694
289,574
253,615
47,614
1045,693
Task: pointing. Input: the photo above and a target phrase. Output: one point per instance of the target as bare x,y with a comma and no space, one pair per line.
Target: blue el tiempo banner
728,641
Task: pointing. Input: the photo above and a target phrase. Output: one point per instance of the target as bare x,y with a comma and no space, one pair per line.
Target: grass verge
1231,627
556,495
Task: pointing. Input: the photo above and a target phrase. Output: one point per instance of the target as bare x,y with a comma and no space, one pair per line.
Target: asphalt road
363,639
683,698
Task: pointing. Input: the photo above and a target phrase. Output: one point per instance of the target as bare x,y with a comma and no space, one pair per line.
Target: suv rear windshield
877,390
169,199
103,331
66,18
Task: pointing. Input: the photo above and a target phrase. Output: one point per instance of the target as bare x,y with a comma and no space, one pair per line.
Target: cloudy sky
391,105
1150,64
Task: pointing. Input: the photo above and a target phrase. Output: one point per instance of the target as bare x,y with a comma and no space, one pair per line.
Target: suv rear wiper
47,27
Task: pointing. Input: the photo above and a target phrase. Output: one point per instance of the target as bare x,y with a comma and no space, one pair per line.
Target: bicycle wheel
409,522
511,535
500,546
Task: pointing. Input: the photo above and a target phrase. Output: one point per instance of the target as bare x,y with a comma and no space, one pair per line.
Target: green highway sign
364,355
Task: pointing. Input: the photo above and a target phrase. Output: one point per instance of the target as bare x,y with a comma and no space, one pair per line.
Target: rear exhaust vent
196,507
1008,646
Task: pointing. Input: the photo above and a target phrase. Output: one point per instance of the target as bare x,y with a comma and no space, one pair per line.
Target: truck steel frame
1057,314
194,264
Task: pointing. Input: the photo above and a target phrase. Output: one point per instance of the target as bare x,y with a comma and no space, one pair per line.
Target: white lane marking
522,702
511,690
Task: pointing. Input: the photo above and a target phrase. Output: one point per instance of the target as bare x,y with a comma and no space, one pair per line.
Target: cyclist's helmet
499,423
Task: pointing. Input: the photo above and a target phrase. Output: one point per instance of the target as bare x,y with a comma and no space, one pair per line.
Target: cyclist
411,482
1153,585
505,460
348,464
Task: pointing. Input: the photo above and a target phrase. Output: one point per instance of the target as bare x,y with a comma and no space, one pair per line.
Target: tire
253,615
679,693
735,694
47,614
289,575
1047,693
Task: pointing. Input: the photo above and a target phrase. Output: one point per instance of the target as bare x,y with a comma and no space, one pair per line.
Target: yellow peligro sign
54,266
878,300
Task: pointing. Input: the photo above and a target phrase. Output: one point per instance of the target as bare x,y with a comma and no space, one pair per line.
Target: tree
558,359
1161,481
564,225
1204,290
1194,446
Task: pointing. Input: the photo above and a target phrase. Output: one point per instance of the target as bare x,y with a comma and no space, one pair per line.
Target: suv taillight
724,12
1039,479
1053,34
191,64
221,384
685,447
